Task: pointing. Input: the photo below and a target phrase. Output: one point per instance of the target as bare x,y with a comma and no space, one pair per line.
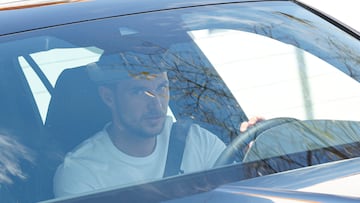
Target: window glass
269,70
223,65
51,64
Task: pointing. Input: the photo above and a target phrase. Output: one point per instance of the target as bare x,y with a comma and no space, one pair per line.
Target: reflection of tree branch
302,159
347,56
319,142
294,18
197,80
195,85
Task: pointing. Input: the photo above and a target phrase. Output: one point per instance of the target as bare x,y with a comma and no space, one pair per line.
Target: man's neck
131,144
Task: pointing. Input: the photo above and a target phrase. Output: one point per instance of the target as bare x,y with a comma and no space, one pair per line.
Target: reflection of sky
282,21
267,80
255,58
346,11
11,155
275,19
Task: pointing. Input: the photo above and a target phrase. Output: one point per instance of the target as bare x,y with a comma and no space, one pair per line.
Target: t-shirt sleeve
214,149
72,178
202,149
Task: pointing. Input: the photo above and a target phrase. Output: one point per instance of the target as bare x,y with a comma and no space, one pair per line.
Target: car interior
75,112
198,91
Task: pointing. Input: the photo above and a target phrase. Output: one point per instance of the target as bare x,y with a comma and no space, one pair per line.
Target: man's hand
252,121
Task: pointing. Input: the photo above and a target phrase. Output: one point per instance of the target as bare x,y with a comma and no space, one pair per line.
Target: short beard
135,130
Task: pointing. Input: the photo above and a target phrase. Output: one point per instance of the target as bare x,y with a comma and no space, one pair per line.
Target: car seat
76,111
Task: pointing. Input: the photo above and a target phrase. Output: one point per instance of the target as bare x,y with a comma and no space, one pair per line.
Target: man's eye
138,92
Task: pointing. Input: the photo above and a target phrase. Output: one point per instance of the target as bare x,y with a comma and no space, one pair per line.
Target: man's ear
107,95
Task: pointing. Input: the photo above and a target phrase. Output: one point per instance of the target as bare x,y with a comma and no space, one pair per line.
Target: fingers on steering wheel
252,121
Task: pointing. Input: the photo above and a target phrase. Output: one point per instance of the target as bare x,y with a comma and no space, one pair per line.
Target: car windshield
90,107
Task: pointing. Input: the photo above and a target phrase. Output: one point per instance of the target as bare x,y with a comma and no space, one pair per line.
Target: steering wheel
235,150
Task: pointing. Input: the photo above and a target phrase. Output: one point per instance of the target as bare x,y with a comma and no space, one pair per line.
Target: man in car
133,147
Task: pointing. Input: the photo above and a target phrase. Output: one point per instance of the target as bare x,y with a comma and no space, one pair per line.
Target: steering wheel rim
234,151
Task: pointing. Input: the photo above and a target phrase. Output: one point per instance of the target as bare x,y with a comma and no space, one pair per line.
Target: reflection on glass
12,153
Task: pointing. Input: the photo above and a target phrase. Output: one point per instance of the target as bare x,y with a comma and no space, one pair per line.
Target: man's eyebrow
143,75
137,86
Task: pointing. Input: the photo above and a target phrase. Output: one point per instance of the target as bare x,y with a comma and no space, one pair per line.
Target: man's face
141,104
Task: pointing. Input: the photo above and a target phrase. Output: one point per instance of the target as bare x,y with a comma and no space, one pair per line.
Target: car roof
26,15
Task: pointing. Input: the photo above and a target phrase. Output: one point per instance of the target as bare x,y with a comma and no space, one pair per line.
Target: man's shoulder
91,146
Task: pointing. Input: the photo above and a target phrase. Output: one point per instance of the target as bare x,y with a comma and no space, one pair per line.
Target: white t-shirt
98,164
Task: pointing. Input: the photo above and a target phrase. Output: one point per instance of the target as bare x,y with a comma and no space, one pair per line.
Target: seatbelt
178,134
